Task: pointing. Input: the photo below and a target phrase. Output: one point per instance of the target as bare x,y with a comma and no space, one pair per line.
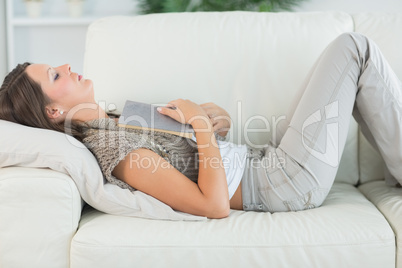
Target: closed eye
56,77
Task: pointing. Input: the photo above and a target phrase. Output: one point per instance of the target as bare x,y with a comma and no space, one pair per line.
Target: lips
79,77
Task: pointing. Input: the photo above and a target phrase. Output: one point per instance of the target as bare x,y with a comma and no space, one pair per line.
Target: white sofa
251,64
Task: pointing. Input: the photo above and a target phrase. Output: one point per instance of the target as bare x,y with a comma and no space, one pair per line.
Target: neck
86,112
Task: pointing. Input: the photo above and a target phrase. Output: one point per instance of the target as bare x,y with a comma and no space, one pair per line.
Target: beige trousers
296,171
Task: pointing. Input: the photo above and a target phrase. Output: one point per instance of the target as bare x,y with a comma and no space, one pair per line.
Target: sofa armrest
39,213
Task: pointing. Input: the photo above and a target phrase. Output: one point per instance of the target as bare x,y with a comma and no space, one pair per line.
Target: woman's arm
148,172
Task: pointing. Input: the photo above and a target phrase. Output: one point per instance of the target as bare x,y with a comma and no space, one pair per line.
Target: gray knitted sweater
111,143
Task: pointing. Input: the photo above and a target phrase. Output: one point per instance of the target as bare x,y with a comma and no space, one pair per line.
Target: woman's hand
187,112
219,117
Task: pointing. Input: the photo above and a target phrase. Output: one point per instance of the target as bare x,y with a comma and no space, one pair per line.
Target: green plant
161,6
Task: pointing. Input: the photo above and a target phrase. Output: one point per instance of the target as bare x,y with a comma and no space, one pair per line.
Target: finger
169,112
207,104
171,107
213,119
217,124
171,104
209,114
218,128
163,110
212,122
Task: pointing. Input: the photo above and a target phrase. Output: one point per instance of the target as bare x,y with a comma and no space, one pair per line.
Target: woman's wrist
202,124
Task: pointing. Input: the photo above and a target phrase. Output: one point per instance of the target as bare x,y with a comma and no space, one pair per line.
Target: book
138,115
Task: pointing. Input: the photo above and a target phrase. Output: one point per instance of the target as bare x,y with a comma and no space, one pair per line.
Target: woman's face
64,88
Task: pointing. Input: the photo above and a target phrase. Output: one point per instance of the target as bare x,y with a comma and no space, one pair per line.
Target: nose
66,68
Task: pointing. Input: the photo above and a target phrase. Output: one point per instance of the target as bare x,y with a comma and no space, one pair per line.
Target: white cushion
389,201
346,230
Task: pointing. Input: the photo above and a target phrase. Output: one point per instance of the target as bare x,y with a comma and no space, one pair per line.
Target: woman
351,76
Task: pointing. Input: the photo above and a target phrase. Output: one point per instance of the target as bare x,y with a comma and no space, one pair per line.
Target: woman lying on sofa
293,172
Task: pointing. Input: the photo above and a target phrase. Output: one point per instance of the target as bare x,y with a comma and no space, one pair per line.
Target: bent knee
351,39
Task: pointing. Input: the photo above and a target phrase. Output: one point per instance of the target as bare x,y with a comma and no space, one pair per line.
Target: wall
107,6
55,38
3,57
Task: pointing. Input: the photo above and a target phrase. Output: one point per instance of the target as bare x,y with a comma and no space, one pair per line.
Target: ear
53,113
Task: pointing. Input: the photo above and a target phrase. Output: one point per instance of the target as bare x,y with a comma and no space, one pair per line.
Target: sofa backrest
249,63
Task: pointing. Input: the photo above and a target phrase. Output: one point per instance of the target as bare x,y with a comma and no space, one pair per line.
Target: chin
89,85
89,82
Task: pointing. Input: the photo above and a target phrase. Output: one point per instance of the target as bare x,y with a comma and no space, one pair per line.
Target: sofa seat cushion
389,201
347,230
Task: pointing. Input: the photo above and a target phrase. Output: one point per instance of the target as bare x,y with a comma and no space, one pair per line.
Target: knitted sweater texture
110,144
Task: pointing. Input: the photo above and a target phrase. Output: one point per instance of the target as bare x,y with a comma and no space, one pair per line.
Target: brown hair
23,101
